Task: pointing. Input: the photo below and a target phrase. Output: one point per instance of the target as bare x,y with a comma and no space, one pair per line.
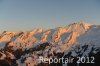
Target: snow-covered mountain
75,40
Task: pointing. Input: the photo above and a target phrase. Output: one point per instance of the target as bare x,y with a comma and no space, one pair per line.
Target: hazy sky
26,14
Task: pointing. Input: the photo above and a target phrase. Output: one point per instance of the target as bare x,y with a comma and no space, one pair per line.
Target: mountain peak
81,23
78,27
84,23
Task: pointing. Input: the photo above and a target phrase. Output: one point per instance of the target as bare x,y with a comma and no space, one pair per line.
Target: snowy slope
24,48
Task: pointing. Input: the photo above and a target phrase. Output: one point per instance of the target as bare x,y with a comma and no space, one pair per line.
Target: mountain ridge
77,39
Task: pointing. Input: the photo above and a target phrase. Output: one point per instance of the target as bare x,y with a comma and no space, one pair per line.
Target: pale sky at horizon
16,15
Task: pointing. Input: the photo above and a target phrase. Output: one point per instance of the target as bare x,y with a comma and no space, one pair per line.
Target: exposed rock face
72,37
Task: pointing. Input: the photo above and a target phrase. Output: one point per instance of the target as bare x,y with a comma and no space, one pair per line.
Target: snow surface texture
24,48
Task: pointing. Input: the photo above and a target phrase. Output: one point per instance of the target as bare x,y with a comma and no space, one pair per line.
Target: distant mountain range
80,41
